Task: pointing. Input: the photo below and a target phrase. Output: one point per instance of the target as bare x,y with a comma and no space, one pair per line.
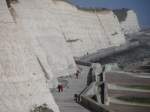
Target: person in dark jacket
77,74
76,98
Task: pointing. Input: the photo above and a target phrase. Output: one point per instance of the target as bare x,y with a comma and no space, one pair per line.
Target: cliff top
121,14
93,9
89,9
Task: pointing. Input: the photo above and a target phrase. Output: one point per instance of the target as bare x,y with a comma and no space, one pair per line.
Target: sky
141,7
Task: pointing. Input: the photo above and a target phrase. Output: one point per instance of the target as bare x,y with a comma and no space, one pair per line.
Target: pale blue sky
142,7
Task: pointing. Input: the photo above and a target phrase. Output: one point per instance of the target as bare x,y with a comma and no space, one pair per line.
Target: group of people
90,79
60,86
76,96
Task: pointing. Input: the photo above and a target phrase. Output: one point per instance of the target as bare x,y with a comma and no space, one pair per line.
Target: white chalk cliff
128,21
88,31
36,18
23,82
38,39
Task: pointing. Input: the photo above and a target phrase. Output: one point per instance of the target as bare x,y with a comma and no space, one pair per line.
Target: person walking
77,74
60,88
76,98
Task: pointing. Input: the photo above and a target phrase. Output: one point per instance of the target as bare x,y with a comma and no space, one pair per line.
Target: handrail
83,91
90,104
86,88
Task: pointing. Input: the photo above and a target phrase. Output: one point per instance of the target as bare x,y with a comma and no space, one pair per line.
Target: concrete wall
124,78
94,106
128,108
124,85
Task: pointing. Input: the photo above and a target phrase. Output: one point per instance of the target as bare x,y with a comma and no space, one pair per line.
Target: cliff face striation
37,18
38,39
128,20
87,31
23,82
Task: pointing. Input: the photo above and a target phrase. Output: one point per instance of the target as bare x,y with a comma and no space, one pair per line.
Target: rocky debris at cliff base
41,108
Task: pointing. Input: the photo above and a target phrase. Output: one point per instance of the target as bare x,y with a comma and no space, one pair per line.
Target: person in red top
60,88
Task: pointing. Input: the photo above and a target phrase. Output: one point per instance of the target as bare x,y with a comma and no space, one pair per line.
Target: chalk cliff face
55,23
23,81
38,39
37,18
128,20
88,31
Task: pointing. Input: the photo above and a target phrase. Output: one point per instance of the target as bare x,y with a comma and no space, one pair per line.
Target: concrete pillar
106,97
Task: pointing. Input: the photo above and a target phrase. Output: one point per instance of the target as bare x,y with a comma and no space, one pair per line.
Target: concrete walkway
65,100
